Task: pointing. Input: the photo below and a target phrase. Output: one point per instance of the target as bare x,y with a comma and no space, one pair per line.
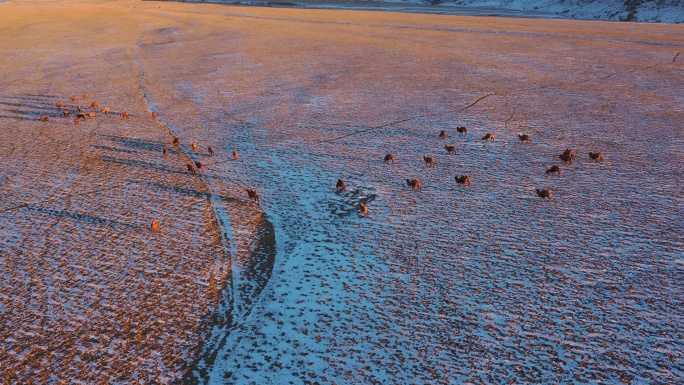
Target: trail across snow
484,283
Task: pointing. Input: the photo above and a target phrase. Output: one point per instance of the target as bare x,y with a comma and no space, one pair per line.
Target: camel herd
198,167
81,114
567,156
415,184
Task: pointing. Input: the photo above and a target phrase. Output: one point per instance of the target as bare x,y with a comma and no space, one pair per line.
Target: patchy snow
448,284
662,11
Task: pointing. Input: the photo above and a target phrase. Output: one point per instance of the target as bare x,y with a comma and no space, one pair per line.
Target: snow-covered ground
450,284
661,11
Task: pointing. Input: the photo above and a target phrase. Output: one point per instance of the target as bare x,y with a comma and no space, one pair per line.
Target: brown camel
340,185
463,179
155,226
544,194
389,158
414,184
596,156
253,195
553,169
364,209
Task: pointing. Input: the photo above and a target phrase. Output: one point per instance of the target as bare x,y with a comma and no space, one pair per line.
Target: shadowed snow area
484,283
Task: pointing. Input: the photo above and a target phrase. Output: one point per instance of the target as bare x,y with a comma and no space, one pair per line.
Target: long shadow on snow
18,117
139,144
30,107
78,217
41,98
155,166
140,163
350,203
191,192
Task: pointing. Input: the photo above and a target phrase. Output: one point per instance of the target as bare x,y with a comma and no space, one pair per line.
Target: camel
544,194
253,195
524,138
567,155
106,110
553,169
340,185
176,141
191,168
66,112
211,151
194,146
462,130
442,134
450,149
389,158
463,179
94,105
165,151
235,155
60,104
74,99
155,226
414,184
596,156
124,114
91,115
81,115
199,166
44,118
429,161
85,96
489,136
155,114
364,209
76,120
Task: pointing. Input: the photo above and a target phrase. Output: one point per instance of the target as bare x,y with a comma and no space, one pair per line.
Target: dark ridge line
509,119
209,348
505,94
15,207
369,129
193,373
265,244
477,101
567,83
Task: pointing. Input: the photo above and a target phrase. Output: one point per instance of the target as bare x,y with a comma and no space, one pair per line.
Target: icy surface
449,284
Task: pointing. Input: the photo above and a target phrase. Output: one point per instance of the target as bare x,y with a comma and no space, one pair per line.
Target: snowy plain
450,284
659,11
